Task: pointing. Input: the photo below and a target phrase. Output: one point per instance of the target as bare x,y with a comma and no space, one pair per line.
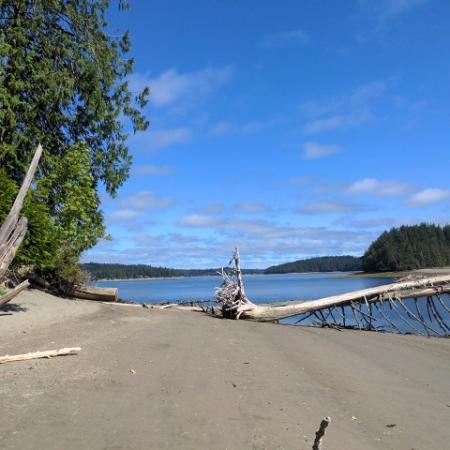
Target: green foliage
63,84
408,248
320,264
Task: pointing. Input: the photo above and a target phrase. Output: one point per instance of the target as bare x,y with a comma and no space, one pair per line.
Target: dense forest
134,271
322,264
409,247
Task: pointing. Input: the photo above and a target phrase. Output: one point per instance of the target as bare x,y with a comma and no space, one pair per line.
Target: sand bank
204,383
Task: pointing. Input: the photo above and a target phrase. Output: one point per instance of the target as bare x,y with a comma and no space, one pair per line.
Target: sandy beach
148,379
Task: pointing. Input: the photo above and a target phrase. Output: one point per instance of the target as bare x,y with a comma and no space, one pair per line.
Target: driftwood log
36,355
96,293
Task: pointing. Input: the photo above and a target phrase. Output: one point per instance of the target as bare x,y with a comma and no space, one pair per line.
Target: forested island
404,248
409,248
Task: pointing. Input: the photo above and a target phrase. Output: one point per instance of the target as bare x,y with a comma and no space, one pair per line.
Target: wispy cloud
338,121
125,214
153,170
136,205
380,188
223,128
287,38
384,10
147,199
152,140
429,196
331,207
249,207
348,111
198,221
313,150
172,87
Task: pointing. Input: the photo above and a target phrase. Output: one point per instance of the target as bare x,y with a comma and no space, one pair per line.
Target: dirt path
203,383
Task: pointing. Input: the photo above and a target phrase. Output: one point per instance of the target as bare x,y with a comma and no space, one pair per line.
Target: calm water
259,288
272,288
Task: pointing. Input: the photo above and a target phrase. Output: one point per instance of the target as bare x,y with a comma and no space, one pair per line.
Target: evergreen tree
63,83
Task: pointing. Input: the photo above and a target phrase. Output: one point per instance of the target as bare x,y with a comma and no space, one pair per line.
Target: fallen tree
366,307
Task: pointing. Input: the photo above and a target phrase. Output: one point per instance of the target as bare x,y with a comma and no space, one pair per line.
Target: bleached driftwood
96,293
14,228
36,355
13,293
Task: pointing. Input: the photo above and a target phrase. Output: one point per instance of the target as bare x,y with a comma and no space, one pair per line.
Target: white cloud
331,207
172,87
429,196
197,220
147,199
292,37
157,139
125,214
348,111
338,121
313,150
376,187
153,170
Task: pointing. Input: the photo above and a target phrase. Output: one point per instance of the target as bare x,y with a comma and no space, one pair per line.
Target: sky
290,129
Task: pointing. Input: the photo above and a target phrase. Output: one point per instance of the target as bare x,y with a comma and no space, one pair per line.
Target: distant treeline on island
109,271
344,263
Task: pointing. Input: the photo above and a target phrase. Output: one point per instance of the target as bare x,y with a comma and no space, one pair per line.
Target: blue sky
291,129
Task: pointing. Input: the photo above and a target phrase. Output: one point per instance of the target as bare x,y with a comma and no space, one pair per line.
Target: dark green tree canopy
63,83
409,247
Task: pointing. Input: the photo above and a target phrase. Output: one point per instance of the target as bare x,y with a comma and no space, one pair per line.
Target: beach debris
14,228
132,371
320,433
37,355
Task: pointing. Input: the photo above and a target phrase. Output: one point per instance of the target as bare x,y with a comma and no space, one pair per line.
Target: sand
148,379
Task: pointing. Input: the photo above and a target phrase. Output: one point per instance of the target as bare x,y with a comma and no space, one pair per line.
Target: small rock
133,371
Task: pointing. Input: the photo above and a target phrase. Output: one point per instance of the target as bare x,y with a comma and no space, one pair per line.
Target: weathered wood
13,216
37,355
96,293
13,293
11,246
13,229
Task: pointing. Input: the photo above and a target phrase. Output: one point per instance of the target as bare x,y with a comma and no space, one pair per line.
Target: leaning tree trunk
14,228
